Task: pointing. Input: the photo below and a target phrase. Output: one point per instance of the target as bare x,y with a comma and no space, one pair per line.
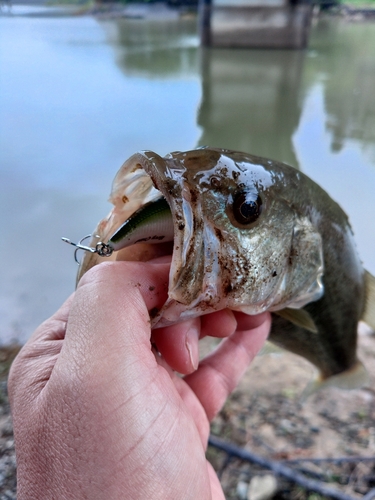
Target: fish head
239,241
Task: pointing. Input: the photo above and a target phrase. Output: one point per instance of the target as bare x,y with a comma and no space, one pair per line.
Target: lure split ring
102,249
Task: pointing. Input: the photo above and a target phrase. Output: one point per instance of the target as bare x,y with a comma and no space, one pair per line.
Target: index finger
219,373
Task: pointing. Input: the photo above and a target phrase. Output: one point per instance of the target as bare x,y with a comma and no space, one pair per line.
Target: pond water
80,95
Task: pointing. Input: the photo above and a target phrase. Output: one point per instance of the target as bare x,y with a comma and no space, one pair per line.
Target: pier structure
267,24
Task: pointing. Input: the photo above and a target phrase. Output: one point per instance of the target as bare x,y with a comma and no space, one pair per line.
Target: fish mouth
147,205
145,181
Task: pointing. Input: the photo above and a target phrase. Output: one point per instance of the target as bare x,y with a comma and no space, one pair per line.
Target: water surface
80,95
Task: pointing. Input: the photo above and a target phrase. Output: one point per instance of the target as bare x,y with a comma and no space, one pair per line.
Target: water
79,95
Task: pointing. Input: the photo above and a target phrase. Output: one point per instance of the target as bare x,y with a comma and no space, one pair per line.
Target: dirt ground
265,415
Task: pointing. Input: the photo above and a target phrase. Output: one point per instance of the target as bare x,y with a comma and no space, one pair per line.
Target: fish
249,234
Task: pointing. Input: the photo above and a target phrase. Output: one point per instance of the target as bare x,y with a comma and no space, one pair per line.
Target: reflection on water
79,96
155,49
345,63
335,139
251,101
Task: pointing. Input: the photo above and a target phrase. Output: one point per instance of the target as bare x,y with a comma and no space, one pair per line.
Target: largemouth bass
249,234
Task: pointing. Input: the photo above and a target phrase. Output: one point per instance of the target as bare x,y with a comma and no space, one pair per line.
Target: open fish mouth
156,212
181,203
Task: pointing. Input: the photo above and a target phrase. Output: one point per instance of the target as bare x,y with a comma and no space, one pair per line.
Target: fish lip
194,278
132,187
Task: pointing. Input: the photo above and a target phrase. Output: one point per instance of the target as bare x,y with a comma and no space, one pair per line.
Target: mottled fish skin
276,262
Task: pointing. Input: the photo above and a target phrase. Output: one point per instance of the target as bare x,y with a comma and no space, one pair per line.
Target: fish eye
247,207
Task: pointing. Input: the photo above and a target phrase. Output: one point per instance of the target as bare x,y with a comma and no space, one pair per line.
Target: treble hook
102,249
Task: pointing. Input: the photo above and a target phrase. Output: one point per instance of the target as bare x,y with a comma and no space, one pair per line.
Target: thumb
109,320
90,324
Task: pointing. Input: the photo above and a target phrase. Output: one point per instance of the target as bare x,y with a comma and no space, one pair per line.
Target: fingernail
192,346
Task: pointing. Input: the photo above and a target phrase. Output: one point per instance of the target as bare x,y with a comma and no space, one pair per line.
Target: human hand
99,414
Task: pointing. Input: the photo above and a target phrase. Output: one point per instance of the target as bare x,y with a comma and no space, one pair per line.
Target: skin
100,414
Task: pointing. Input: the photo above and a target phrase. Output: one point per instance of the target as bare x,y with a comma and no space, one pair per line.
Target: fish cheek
305,265
252,259
275,263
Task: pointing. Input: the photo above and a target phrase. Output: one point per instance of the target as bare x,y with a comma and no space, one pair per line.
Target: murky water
78,96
